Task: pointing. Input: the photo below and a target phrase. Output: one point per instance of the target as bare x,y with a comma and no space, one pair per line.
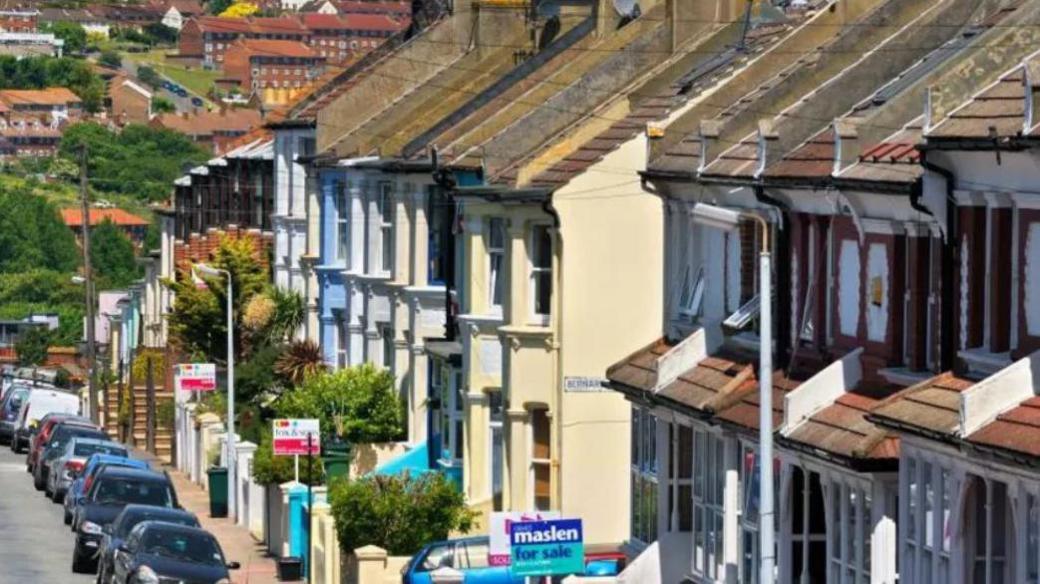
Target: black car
111,491
116,533
60,437
163,552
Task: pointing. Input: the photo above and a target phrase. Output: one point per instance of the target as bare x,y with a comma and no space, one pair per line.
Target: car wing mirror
233,565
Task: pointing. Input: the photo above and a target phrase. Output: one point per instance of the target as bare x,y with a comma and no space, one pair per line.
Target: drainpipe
446,181
950,253
782,251
556,462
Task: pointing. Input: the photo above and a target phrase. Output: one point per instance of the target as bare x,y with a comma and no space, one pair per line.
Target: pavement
238,544
35,546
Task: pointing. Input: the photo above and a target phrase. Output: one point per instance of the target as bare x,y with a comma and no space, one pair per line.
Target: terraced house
858,275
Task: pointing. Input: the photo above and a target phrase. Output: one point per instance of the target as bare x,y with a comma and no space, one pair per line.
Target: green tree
111,59
162,105
397,513
217,6
112,256
148,76
40,72
140,160
358,404
160,34
32,346
198,319
74,35
33,236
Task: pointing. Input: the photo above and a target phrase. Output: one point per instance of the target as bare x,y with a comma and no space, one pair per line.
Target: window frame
536,273
709,516
643,475
495,280
536,463
341,204
385,207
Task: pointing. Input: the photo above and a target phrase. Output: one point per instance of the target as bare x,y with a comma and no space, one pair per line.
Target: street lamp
229,443
727,219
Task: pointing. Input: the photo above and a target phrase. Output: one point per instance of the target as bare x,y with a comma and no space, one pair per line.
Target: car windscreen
199,548
13,403
124,491
63,434
88,448
131,521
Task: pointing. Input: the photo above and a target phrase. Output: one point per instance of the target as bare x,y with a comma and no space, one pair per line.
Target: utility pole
88,286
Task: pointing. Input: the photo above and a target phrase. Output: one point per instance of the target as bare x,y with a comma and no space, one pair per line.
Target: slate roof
931,407
896,160
813,159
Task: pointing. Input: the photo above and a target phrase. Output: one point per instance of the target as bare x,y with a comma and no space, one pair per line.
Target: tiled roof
813,159
843,429
932,406
1016,430
274,48
363,6
370,22
206,123
645,110
639,370
49,96
996,111
738,161
263,25
744,412
74,217
895,160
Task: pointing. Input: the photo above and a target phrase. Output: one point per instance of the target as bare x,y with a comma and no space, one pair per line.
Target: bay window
850,532
342,238
930,491
643,505
541,272
680,478
496,250
709,485
749,502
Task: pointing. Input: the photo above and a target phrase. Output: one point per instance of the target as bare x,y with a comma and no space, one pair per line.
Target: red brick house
19,20
215,129
209,37
129,101
257,64
131,224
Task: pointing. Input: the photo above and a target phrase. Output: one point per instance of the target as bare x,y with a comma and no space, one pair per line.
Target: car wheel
38,481
57,497
81,565
68,517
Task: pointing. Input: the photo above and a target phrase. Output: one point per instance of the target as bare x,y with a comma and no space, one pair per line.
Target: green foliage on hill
40,72
141,160
74,35
112,257
33,236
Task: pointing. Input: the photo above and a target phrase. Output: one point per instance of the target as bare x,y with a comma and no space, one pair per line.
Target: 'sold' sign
196,377
547,548
290,437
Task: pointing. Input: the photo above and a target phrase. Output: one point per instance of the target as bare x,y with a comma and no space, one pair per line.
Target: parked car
9,407
110,492
67,465
115,534
38,439
163,552
197,101
94,465
470,556
39,403
62,433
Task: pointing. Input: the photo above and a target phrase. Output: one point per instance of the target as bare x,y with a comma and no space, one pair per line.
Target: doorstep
258,567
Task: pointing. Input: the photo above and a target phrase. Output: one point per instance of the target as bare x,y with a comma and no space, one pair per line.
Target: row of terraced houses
497,208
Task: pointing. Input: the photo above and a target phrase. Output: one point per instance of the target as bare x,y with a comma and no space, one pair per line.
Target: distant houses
215,130
133,225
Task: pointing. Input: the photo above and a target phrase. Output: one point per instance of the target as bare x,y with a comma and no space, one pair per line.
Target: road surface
35,546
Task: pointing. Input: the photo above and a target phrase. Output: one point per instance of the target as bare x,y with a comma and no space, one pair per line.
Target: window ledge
979,359
903,376
525,330
745,340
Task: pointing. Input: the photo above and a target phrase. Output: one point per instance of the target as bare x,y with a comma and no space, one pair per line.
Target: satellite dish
625,8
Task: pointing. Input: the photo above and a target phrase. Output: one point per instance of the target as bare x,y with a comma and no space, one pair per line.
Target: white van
39,403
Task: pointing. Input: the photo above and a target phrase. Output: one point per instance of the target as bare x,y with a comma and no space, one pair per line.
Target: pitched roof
1016,431
363,6
813,159
251,25
273,48
996,111
74,217
368,22
210,122
895,160
931,407
48,96
842,429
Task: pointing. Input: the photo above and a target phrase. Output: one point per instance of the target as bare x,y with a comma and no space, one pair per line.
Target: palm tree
300,360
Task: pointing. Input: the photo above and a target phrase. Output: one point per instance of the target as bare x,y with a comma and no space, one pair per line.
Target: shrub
397,513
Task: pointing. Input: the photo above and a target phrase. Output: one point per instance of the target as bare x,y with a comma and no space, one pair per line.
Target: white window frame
342,210
340,323
849,530
919,475
677,482
535,271
643,470
691,297
385,204
495,424
387,334
535,463
709,472
496,275
449,389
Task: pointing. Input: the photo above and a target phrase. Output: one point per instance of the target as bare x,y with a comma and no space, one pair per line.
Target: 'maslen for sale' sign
196,377
290,437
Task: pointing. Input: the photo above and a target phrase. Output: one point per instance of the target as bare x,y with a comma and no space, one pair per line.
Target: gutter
949,259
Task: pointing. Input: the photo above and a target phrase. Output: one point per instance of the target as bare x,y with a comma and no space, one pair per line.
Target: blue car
90,469
470,556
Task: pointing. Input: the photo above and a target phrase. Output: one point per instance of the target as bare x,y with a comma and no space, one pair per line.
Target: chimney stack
767,140
1031,82
846,143
710,131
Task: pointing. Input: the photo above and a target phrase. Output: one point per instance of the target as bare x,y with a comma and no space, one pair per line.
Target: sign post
547,548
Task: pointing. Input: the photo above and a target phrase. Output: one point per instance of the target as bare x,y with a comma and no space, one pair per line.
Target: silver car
66,467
